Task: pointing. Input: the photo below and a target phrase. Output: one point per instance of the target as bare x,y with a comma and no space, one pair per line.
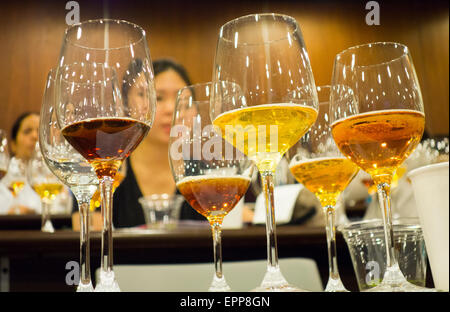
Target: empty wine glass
100,59
72,170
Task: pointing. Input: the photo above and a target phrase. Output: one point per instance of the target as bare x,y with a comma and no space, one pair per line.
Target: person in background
24,135
148,170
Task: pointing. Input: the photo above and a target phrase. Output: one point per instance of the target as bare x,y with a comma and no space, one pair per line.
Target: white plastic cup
430,184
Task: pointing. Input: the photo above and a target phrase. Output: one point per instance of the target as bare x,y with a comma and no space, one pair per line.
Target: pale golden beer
326,177
265,132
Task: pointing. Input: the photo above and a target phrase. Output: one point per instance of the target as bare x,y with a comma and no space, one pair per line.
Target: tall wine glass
72,169
378,127
4,154
317,163
264,54
45,184
208,172
100,61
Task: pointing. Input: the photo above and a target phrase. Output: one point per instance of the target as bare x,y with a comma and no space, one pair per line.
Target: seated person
24,135
148,170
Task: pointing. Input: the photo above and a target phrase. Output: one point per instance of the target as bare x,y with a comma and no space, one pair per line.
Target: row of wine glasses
260,103
376,116
17,173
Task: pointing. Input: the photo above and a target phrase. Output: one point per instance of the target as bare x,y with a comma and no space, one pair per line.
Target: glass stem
268,190
217,241
85,277
385,205
331,241
106,192
46,223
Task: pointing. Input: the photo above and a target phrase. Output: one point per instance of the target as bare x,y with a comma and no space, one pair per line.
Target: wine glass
15,179
317,163
379,126
208,172
45,184
4,154
264,54
100,61
72,169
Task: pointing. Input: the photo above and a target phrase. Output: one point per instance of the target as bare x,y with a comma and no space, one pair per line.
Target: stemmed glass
317,163
15,178
4,154
208,172
100,61
72,170
264,54
45,184
379,126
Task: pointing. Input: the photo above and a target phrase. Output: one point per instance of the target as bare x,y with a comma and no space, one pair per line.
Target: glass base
48,227
274,281
219,285
107,283
335,285
399,287
394,281
85,287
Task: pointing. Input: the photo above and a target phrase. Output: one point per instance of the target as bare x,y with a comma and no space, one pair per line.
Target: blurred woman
24,135
148,170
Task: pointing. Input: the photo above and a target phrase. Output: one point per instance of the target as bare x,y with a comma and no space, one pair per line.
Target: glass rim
204,84
409,222
254,15
378,43
101,21
324,87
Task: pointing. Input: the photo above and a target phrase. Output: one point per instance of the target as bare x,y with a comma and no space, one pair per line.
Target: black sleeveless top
127,211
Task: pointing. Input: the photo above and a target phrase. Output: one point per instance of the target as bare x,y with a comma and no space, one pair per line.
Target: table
31,260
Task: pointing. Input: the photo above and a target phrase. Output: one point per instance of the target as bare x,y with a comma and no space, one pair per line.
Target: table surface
37,260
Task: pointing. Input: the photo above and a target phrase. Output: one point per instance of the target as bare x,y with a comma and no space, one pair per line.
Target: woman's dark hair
16,126
162,65
159,66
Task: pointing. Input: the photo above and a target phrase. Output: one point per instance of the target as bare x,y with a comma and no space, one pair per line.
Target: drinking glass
317,163
4,154
71,169
264,54
15,179
365,242
377,121
45,184
208,172
100,62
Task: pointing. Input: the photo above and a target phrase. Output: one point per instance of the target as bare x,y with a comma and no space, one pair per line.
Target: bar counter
35,261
